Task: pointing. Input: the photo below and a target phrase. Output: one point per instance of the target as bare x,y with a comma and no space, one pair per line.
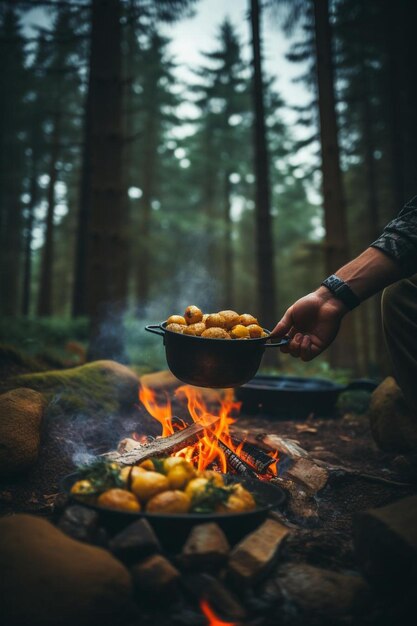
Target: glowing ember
206,451
213,620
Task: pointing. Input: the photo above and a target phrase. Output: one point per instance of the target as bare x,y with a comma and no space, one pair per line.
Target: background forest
116,209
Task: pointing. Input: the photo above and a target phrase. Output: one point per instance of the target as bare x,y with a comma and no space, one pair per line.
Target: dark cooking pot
209,362
173,529
293,397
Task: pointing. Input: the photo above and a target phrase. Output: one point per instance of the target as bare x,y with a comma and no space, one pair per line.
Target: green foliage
35,335
102,474
356,401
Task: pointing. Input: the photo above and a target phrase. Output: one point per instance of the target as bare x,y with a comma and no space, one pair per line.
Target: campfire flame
207,451
211,616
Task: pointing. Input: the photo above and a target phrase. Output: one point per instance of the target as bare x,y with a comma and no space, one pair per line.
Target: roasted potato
179,477
133,471
194,329
172,462
148,484
215,477
169,502
215,320
193,314
147,465
196,487
83,488
231,318
239,332
215,333
119,499
246,320
255,331
175,328
176,319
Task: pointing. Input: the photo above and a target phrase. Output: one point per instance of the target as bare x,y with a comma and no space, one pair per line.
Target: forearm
369,273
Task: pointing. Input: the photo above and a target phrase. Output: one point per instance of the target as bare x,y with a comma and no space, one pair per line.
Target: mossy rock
393,423
21,413
100,387
48,579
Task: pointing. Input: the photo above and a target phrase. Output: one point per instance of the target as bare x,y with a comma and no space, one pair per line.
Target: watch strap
342,291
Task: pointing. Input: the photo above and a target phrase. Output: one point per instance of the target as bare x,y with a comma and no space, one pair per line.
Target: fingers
301,346
284,325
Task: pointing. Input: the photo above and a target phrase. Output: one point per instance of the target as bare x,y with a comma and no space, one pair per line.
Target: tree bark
266,285
336,244
27,266
79,294
228,243
107,258
46,277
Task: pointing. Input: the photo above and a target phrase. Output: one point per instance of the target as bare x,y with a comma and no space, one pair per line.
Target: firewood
235,462
301,505
253,455
273,442
155,577
205,549
163,446
312,476
257,552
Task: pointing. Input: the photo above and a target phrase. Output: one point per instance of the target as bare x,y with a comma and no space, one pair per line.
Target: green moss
102,387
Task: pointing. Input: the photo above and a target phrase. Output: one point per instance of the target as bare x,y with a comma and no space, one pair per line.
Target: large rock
102,387
393,424
21,413
48,579
322,596
386,546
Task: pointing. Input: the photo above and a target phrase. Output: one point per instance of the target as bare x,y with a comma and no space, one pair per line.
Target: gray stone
206,548
322,594
386,545
79,522
135,542
393,423
155,578
48,579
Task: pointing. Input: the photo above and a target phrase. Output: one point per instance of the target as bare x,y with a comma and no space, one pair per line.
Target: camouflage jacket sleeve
399,238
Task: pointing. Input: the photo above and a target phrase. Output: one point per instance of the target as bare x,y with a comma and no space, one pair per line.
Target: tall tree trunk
27,266
144,265
264,242
79,294
107,269
336,245
229,295
46,277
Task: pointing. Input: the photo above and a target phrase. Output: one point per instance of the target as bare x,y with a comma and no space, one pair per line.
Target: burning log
289,447
164,446
235,462
253,455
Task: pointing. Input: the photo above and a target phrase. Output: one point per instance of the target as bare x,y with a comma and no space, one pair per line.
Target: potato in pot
174,501
148,484
119,499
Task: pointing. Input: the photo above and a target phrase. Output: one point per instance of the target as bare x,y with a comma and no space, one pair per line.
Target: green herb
158,465
209,498
102,474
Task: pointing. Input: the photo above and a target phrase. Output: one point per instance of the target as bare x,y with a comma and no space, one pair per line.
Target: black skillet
172,530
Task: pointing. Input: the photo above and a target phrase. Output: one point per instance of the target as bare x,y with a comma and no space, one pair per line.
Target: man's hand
312,323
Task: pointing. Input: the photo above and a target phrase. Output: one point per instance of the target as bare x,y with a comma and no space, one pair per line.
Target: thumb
284,325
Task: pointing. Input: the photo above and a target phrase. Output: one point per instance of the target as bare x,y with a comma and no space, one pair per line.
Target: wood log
312,476
253,455
164,446
266,441
235,462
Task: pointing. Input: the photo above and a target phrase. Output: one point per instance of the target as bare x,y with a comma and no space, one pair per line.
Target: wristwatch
342,291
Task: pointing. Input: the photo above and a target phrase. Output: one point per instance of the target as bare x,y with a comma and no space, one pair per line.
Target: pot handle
155,329
282,342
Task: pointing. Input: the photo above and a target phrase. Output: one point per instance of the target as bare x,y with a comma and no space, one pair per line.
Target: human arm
313,321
